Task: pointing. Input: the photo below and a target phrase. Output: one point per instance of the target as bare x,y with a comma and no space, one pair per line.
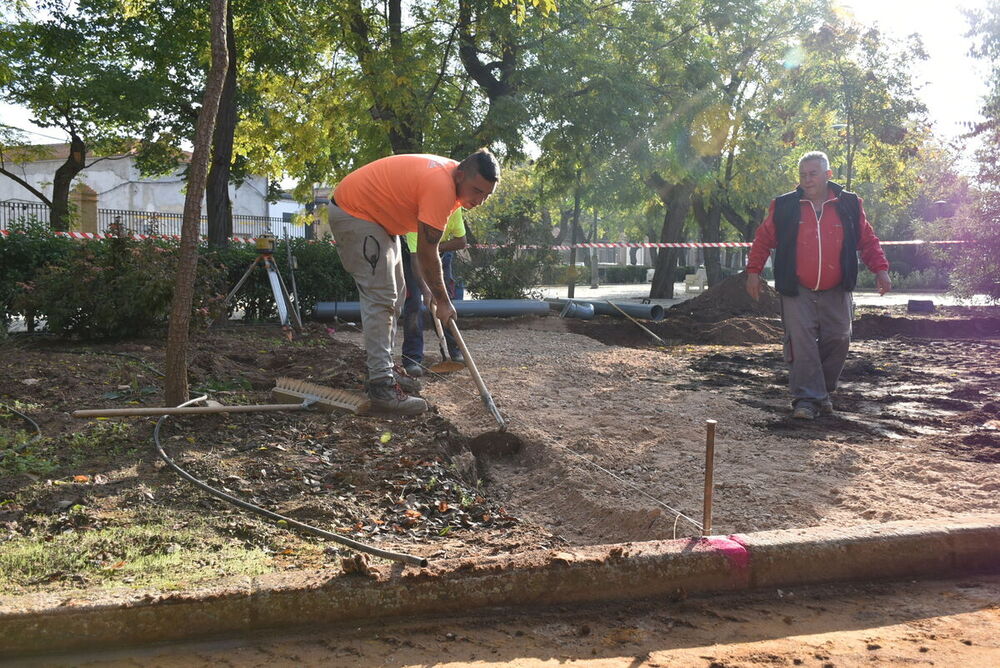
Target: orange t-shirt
399,190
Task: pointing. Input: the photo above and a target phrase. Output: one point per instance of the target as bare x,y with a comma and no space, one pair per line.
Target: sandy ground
894,451
607,443
952,623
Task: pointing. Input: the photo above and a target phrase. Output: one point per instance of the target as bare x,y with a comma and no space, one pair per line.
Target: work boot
805,410
413,369
826,407
388,397
406,381
457,356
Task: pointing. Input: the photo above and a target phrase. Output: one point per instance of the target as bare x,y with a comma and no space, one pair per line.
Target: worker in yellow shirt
418,294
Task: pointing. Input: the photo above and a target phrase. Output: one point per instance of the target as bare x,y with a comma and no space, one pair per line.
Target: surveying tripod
287,311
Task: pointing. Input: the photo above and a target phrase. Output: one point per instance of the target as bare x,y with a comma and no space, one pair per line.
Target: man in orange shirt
370,210
816,231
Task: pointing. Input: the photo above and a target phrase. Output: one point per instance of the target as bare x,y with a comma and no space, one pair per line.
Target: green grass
102,440
16,459
17,452
140,555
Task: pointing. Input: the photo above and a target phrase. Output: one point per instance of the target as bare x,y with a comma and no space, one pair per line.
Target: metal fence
14,212
152,223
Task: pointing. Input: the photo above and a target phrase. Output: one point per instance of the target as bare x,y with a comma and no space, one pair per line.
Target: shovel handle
483,392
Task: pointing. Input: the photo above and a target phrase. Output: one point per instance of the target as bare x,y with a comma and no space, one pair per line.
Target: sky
952,83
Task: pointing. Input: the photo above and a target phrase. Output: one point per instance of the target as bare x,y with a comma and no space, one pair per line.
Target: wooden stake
706,529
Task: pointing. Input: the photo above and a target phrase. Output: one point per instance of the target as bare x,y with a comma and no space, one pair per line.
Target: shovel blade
448,366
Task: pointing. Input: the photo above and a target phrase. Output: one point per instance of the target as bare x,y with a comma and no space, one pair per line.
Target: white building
118,184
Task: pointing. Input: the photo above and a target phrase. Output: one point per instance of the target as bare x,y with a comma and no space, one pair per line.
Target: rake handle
183,410
483,392
643,327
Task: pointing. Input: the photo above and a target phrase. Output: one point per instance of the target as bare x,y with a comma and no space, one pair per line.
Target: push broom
308,395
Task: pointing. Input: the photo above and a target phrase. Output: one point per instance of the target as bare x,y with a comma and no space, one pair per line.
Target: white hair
816,155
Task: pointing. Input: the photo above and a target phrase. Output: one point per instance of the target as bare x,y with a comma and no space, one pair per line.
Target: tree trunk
677,200
564,225
571,290
710,224
595,270
495,78
59,216
176,391
219,206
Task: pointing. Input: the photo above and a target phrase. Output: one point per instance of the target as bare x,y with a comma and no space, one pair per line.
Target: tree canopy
659,121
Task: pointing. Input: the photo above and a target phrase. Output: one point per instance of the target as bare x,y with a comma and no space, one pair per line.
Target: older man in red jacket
816,232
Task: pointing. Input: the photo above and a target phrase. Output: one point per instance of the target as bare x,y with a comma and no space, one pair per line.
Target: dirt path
950,623
916,434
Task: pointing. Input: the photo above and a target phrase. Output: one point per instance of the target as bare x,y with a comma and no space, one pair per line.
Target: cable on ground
23,446
347,542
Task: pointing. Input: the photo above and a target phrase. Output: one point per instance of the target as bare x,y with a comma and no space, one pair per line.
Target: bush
505,272
934,278
116,288
626,274
28,248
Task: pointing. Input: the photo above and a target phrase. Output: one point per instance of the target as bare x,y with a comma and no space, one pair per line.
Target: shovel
484,394
446,365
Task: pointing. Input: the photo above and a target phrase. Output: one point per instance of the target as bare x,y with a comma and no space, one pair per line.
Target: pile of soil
724,315
729,299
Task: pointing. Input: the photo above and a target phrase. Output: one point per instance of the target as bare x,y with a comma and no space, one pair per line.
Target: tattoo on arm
430,263
431,234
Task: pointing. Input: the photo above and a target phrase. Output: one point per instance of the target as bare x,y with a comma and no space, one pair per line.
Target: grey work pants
817,336
372,256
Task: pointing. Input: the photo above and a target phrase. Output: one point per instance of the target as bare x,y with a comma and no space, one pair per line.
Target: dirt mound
883,327
729,299
676,329
743,332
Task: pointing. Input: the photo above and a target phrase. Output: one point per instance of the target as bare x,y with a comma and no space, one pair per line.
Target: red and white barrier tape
716,244
100,236
623,244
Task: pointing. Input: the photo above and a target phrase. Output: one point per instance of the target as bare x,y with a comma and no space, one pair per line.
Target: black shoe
805,411
388,397
457,356
408,383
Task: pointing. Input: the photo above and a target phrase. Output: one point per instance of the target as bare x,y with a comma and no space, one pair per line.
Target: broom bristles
325,398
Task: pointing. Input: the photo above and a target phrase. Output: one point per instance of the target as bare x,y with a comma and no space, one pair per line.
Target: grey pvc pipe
640,311
483,308
575,309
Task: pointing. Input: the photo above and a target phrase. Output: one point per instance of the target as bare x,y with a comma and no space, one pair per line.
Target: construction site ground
606,444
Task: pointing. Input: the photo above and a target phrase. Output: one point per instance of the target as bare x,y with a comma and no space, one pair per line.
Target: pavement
640,291
932,548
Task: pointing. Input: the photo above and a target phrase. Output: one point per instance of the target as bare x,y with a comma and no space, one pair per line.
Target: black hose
38,430
353,544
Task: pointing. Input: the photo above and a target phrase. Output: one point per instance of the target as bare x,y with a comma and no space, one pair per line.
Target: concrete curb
787,558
